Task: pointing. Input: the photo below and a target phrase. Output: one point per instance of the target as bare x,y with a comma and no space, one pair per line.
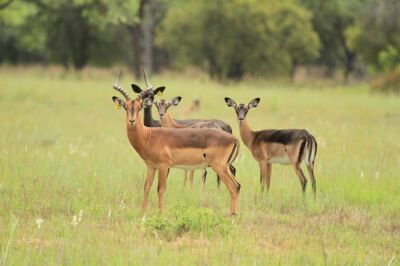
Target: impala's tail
311,153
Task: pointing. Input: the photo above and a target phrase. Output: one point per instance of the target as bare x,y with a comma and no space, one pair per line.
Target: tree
140,18
231,38
331,20
376,35
17,42
68,28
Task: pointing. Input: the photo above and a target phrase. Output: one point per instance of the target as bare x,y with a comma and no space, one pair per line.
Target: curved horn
148,85
118,88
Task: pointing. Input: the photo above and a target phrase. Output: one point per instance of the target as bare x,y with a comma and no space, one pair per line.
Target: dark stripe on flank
303,144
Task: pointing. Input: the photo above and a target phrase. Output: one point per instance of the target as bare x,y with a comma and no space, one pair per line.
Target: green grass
64,151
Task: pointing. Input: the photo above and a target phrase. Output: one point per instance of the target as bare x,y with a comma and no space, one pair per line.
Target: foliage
16,38
376,35
387,82
59,31
214,35
331,20
228,39
188,220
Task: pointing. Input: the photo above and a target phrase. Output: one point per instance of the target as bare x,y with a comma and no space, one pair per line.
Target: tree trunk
136,33
349,56
293,70
148,36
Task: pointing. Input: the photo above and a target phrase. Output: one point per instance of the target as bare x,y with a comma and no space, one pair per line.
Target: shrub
191,220
387,82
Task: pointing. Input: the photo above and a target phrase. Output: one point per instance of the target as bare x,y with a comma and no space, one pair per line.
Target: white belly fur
191,167
280,160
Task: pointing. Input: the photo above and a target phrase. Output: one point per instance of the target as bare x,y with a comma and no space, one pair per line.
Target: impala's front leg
150,173
203,179
269,172
191,174
162,183
263,174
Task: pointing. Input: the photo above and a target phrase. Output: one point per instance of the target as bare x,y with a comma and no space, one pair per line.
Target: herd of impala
200,143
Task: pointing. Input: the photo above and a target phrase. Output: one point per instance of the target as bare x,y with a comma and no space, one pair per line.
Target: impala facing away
167,121
288,146
164,148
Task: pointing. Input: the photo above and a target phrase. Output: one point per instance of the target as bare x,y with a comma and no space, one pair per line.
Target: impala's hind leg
203,179
300,174
147,187
268,175
218,183
191,173
185,177
232,169
232,185
313,182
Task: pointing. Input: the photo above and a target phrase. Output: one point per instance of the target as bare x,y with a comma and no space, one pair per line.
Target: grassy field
71,185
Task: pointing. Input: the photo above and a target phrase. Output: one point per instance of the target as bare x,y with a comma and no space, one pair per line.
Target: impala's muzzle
132,122
241,112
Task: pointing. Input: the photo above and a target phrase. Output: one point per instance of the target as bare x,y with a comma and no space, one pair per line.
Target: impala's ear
174,101
159,90
230,102
136,88
254,103
118,102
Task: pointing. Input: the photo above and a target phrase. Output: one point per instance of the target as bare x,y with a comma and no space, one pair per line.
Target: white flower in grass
377,175
39,222
109,212
74,220
122,204
362,174
80,215
73,148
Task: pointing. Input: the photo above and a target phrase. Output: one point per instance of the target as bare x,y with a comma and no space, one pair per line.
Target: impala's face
132,108
242,109
163,105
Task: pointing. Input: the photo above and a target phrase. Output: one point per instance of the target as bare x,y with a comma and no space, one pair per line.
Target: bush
387,82
190,220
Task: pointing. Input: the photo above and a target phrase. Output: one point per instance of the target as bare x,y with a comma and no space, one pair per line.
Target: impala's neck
149,121
167,121
137,134
246,133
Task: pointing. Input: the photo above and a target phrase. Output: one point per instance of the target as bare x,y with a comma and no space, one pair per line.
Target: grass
65,159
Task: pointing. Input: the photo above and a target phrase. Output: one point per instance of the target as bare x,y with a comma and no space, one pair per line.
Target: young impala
288,146
164,148
167,121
